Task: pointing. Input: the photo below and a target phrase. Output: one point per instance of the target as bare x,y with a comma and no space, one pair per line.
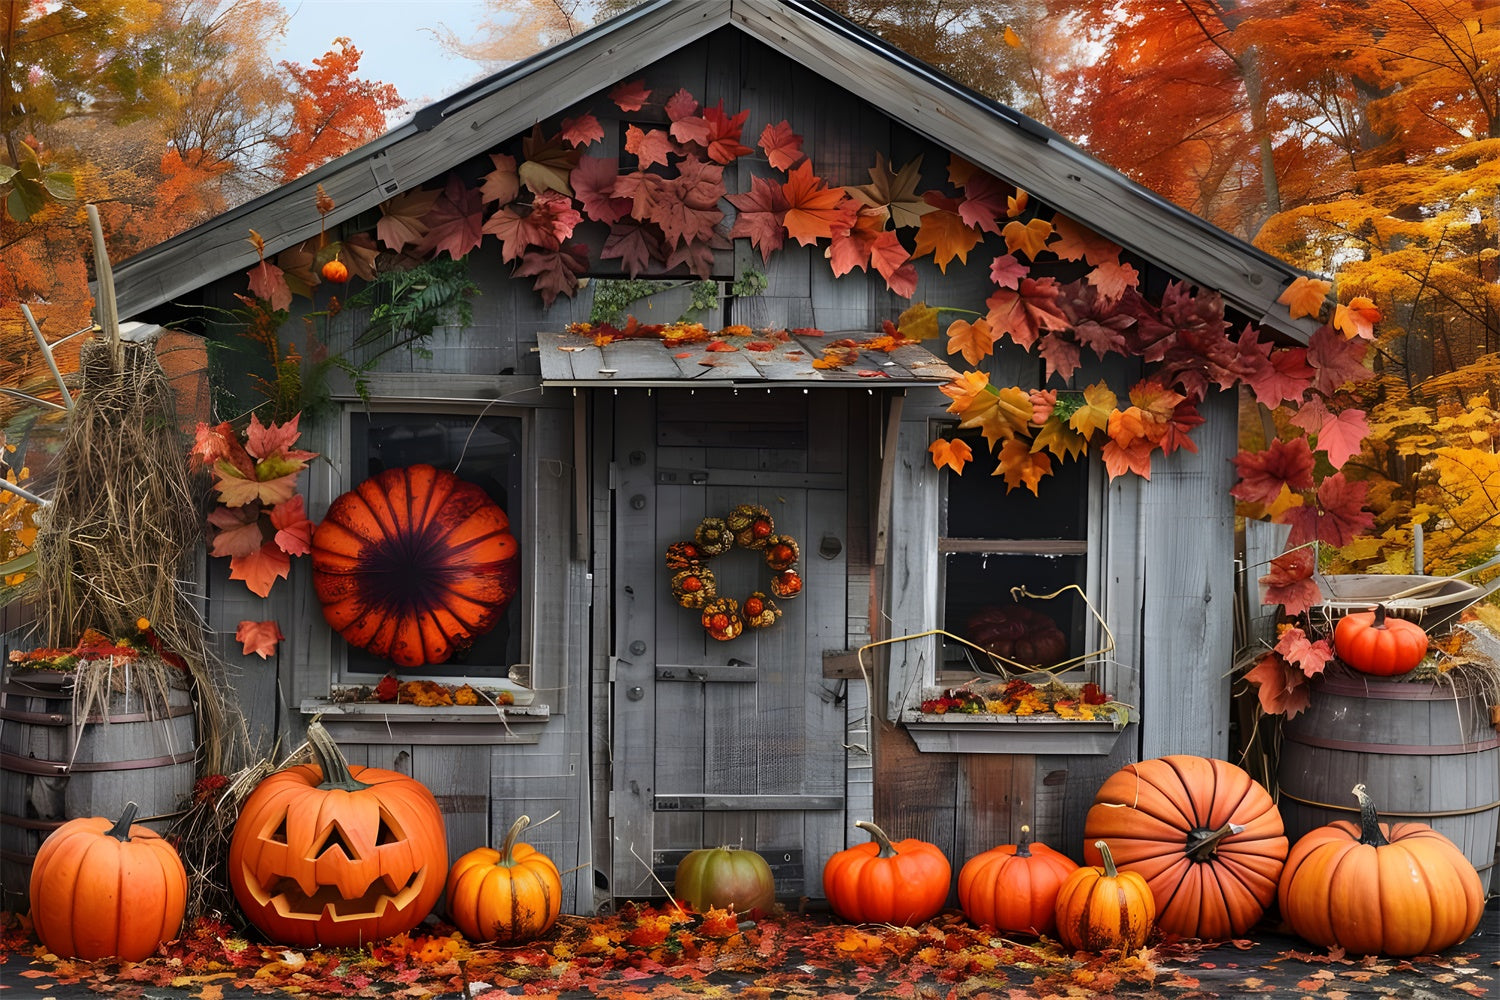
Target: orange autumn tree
333,111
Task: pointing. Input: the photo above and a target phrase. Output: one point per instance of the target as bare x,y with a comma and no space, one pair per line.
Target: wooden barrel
54,767
1424,752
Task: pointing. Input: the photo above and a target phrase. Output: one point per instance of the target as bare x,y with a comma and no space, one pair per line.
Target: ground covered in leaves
658,951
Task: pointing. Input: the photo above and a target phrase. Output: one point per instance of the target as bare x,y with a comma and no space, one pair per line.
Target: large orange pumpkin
413,564
333,855
1013,887
1205,835
887,882
508,896
1374,888
102,889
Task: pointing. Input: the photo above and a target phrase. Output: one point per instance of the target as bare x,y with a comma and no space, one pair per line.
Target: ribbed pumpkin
333,855
887,882
1374,643
1013,887
1374,888
1205,835
725,877
107,889
1100,908
508,896
414,564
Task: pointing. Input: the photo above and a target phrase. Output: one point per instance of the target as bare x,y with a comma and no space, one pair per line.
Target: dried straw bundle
121,533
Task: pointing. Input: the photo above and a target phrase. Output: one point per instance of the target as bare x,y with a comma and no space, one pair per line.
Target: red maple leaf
545,223
782,146
643,188
1114,278
1006,271
1027,311
236,531
1336,360
983,202
259,638
1061,354
1289,377
724,144
1281,687
1342,435
1336,519
696,255
634,245
593,183
650,148
269,283
813,208
1078,242
556,270
1264,473
630,96
261,569
1294,645
688,209
293,528
1096,323
455,224
1290,582
582,131
1185,417
759,214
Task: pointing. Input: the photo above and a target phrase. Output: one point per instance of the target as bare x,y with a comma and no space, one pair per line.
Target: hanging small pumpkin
782,552
725,877
414,564
722,619
760,611
1372,888
684,555
786,584
507,896
887,882
332,855
335,271
713,536
1204,834
694,587
1100,908
1013,887
751,524
102,889
1374,643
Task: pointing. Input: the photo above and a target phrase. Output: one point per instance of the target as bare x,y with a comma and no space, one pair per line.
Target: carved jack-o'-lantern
334,855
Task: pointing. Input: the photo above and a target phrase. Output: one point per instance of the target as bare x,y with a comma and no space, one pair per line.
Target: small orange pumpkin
1013,887
887,882
1100,908
1374,643
335,271
1389,889
107,890
508,896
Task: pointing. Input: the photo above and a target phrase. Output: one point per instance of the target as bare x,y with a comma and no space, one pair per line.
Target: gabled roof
476,119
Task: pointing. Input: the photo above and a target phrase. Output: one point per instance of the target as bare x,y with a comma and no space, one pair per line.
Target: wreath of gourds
748,526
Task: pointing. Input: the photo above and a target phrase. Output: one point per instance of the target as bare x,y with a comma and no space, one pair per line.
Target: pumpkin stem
879,836
1379,621
121,830
1023,849
331,760
1109,860
1369,819
507,849
1203,845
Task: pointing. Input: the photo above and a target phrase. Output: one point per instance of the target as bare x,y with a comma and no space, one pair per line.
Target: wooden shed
645,734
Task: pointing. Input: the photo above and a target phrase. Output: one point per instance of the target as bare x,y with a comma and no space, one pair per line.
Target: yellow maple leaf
1030,238
1357,319
1098,403
1304,296
1002,416
1016,203
1060,439
975,341
918,322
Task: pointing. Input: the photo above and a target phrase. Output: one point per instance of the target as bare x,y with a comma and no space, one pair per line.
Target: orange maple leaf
975,341
1030,238
1058,438
1075,241
951,453
1304,296
1099,402
1021,466
1357,319
944,235
259,638
1016,203
964,388
814,209
999,416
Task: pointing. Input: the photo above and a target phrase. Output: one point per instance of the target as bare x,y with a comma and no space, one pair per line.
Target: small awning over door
849,360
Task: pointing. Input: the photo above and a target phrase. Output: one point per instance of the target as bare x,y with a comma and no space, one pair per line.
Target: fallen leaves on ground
660,950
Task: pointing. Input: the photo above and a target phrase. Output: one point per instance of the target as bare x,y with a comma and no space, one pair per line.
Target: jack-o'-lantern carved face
337,856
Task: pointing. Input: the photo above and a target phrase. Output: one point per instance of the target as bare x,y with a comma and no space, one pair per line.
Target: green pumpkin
725,877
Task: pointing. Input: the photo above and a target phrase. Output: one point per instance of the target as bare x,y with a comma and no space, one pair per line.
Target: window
996,543
486,449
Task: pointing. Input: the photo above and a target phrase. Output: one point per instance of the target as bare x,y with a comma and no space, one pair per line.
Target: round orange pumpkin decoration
335,271
1374,643
413,564
103,889
1100,908
1204,834
1375,888
509,896
1013,887
887,882
333,855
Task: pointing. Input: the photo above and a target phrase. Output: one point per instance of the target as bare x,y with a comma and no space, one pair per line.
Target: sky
396,39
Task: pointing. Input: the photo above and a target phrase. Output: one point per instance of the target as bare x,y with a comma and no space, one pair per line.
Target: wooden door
737,742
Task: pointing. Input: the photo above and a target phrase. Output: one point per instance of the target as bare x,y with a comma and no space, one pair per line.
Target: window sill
376,722
961,733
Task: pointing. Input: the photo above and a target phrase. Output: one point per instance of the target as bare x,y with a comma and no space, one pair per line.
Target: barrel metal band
65,719
1386,813
1397,749
31,765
